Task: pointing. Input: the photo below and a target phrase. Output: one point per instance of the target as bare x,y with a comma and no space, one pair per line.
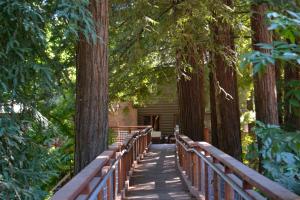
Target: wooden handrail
130,127
249,176
74,187
111,168
238,176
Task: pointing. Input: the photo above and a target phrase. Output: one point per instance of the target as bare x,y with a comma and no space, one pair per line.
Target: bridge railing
123,131
107,176
212,174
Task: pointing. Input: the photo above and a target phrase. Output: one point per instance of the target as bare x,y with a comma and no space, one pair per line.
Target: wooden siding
166,112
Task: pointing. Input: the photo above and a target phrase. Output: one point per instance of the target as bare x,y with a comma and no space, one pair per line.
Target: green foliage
293,94
112,136
288,27
280,154
22,172
37,62
285,50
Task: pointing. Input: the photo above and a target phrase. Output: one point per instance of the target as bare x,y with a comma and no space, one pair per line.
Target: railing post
180,155
100,195
121,173
140,145
195,168
131,158
108,188
183,158
186,162
206,182
189,165
149,137
104,171
228,189
117,175
135,149
144,144
200,171
215,180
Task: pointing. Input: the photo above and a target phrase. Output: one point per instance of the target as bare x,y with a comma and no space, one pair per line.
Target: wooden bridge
137,169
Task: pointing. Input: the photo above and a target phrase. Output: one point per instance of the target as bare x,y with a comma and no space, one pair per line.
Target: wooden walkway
157,177
209,172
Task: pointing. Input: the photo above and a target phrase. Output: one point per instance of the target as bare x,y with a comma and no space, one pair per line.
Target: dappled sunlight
156,176
174,180
143,186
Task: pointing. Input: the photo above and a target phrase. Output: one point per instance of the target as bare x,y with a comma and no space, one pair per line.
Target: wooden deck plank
156,176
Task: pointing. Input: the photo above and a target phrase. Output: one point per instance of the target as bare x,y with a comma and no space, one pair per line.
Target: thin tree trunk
226,97
92,90
292,73
250,107
191,99
280,92
213,106
279,86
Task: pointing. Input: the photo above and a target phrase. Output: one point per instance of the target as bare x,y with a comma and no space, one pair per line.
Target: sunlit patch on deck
156,176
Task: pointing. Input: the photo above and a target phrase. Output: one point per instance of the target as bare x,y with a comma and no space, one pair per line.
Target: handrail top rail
80,181
130,127
130,137
250,176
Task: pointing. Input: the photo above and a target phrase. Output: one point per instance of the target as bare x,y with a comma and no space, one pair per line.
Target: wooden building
161,111
162,116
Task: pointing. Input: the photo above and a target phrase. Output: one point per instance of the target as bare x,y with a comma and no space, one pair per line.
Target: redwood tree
265,82
225,108
92,90
265,92
191,98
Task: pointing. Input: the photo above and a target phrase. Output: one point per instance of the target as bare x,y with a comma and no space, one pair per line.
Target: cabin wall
167,113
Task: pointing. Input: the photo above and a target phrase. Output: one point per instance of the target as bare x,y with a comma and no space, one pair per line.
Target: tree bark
226,91
264,83
92,90
265,92
191,99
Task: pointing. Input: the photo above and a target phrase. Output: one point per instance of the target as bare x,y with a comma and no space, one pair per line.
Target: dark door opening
152,120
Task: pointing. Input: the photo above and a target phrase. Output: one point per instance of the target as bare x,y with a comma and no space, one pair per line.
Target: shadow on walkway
156,176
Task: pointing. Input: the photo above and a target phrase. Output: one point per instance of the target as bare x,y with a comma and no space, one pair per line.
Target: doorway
152,120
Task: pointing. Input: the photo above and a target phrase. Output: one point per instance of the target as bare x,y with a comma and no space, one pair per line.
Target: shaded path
156,176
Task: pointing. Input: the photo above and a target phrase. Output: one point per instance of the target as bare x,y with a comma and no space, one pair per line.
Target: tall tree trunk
265,83
292,122
226,91
92,90
191,99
